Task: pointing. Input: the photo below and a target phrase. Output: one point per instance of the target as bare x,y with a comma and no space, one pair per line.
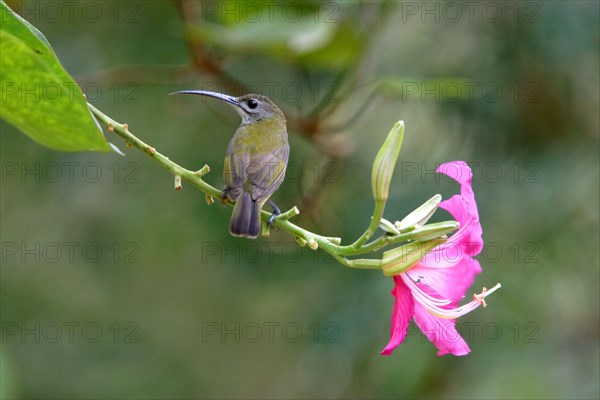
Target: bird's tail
245,220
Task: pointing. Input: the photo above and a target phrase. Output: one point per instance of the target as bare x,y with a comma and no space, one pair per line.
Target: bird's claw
276,212
224,196
272,219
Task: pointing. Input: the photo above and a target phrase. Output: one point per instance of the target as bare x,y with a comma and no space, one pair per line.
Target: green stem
364,263
375,220
435,230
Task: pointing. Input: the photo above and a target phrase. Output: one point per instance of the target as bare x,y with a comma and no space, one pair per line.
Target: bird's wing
266,172
234,172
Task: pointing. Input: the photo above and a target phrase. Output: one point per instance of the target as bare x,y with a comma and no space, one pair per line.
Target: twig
331,245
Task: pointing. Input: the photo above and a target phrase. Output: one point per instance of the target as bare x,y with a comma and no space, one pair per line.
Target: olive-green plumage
255,161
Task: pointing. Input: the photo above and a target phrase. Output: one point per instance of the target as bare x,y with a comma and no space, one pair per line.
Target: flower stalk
381,176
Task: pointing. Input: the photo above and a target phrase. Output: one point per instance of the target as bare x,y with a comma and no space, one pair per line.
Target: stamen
481,297
434,305
484,293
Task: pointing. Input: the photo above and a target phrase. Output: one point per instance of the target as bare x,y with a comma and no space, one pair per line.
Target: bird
255,161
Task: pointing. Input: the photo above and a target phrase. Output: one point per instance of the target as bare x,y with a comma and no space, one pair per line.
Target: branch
412,235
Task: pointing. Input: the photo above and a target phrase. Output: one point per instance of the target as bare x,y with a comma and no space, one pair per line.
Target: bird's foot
276,212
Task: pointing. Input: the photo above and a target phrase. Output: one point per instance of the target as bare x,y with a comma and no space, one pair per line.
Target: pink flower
430,291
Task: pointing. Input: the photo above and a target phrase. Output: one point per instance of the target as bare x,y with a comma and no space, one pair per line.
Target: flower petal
401,315
450,281
441,332
457,170
450,269
463,208
468,236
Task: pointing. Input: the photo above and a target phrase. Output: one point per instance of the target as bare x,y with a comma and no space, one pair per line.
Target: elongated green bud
383,167
402,258
421,215
432,231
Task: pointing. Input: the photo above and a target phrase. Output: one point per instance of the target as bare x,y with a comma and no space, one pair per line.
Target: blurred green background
115,286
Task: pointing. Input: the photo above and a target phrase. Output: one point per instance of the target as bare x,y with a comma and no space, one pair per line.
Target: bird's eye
252,104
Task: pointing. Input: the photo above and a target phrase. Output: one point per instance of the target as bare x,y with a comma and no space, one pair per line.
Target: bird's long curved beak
216,95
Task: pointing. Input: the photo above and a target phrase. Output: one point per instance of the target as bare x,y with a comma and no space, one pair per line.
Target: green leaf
15,24
312,39
245,37
340,52
38,96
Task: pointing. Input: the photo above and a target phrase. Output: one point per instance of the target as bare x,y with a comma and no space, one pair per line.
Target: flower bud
383,167
402,258
432,231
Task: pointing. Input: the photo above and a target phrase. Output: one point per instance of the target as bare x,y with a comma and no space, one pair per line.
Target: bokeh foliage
343,73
